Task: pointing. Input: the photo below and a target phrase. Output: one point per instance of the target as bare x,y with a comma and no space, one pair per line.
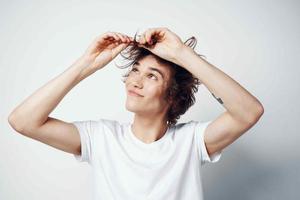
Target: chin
133,109
134,106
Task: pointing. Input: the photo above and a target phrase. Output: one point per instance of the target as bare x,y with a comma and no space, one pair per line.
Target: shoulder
100,123
191,126
185,125
108,122
111,124
184,128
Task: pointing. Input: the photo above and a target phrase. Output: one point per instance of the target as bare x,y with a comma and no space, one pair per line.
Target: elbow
261,110
14,123
21,125
258,112
251,115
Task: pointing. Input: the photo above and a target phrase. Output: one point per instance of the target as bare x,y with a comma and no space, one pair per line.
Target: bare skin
243,110
150,122
31,118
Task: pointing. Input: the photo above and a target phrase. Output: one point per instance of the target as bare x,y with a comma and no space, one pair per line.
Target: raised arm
243,110
31,117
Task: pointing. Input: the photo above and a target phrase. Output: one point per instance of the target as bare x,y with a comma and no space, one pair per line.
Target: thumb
119,48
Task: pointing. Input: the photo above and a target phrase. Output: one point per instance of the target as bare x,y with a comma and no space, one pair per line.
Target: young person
153,157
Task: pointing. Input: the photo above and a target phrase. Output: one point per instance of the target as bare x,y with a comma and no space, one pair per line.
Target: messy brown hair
183,84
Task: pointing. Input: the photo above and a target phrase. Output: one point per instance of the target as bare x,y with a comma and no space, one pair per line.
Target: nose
138,82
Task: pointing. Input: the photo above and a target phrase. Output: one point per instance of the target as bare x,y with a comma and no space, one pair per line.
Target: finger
119,48
141,38
108,35
117,37
152,34
112,36
131,39
144,38
149,35
122,37
160,31
128,38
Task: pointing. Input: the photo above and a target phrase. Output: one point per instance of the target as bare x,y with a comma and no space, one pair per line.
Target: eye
152,75
134,69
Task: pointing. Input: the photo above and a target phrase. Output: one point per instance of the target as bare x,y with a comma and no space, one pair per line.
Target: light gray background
254,42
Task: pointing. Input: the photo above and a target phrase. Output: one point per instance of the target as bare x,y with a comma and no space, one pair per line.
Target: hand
162,42
104,49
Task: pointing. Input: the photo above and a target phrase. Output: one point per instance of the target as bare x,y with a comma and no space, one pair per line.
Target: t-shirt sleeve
86,131
201,147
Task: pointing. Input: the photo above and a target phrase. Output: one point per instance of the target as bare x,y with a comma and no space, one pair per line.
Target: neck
149,129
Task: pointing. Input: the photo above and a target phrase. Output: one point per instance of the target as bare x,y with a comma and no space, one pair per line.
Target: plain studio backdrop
254,42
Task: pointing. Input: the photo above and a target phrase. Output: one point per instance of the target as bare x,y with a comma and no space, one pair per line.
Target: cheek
127,81
155,92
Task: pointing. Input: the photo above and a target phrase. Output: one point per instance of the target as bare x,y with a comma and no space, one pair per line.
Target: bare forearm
35,109
236,99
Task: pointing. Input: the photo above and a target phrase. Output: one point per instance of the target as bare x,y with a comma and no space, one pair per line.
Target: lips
132,93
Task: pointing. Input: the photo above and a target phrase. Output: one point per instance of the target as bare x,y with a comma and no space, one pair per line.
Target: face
149,79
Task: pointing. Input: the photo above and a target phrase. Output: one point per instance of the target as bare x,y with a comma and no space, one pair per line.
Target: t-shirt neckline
143,144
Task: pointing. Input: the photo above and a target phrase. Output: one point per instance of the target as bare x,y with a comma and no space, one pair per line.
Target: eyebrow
153,69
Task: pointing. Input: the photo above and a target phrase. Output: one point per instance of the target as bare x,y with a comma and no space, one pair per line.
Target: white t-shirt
126,168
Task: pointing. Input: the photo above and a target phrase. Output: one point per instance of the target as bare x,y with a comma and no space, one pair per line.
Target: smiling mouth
134,94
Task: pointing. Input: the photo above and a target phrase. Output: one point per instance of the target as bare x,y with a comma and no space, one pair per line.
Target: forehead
150,62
